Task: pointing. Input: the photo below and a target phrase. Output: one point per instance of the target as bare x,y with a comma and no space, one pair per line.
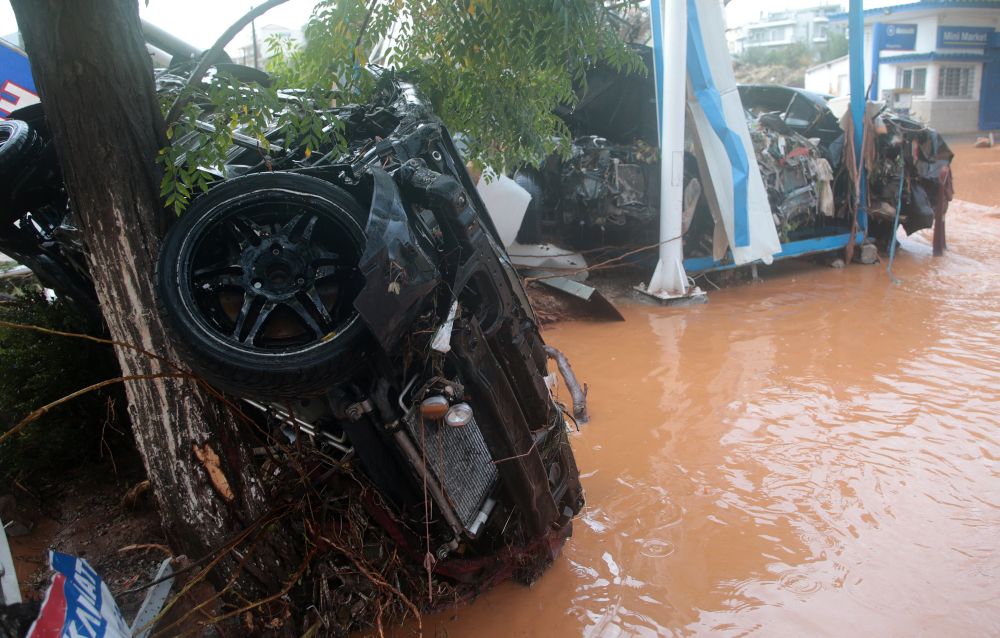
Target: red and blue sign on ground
78,604
17,88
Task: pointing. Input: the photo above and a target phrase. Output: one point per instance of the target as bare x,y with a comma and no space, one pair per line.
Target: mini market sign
964,37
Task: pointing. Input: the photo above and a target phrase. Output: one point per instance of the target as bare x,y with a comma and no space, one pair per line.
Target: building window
956,81
915,79
770,34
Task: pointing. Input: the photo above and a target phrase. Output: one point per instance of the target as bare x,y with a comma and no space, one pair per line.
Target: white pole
669,279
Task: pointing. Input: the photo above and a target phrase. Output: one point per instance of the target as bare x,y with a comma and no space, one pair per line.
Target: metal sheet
721,130
143,623
598,302
9,591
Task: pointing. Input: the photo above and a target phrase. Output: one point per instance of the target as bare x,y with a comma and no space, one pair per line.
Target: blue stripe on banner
711,102
657,27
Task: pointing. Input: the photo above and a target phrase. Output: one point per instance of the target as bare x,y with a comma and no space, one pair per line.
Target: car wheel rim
274,275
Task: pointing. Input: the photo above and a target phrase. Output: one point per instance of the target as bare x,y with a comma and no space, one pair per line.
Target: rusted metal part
596,300
578,393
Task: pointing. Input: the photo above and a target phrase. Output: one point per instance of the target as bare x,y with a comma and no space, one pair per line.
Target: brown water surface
813,455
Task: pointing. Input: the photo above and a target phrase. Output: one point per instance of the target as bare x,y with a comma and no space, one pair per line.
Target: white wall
948,116
832,77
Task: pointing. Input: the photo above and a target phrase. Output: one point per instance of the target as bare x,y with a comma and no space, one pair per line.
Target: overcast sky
200,22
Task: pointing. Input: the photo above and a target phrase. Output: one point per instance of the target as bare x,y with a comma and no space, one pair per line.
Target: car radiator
460,460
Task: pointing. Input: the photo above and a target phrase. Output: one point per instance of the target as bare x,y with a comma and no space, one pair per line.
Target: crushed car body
606,191
359,297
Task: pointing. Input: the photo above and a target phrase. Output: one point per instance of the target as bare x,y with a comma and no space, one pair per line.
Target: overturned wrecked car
372,282
358,297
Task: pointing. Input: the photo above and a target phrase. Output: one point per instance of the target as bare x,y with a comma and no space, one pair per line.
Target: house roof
828,63
923,6
935,57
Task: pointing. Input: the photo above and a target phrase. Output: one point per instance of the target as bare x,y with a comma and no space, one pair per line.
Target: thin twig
36,414
375,579
517,456
287,588
86,337
145,546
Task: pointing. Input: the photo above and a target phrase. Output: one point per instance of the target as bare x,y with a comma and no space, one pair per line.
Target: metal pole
670,48
253,33
857,64
168,42
878,42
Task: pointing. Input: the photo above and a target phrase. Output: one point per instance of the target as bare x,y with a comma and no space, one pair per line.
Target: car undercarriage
359,298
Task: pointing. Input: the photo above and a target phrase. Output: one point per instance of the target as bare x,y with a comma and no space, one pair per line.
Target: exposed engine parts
606,193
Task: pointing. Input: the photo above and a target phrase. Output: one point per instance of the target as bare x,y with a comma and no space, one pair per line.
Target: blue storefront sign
889,37
17,88
964,37
899,37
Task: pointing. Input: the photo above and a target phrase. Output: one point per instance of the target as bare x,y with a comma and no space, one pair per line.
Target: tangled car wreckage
359,298
606,192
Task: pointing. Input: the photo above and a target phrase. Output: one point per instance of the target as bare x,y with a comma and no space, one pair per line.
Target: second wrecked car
606,192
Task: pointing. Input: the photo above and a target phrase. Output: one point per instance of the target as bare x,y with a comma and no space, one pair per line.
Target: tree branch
36,414
208,58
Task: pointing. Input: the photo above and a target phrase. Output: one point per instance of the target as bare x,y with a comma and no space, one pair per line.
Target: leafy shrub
37,369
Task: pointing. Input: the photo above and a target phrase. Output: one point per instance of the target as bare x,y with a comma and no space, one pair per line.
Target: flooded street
816,454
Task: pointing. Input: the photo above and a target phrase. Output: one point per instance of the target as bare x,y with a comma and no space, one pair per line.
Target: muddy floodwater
814,455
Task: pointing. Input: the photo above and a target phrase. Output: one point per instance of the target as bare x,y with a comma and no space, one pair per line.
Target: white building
782,28
833,77
940,56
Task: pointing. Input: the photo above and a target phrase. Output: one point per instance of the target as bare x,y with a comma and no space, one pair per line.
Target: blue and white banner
78,604
17,88
964,37
721,131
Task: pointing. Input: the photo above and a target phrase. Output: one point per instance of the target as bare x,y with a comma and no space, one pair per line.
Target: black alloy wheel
259,278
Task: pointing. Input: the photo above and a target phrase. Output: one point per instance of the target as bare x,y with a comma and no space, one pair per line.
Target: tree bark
95,81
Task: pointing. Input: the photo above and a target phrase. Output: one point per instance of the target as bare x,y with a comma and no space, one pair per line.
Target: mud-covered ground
93,515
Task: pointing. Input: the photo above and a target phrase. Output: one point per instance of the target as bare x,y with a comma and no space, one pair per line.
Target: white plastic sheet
507,203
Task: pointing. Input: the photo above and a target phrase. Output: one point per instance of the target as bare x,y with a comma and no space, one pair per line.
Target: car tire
251,361
18,146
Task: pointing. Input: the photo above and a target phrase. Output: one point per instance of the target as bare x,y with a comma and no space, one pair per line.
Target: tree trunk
95,80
